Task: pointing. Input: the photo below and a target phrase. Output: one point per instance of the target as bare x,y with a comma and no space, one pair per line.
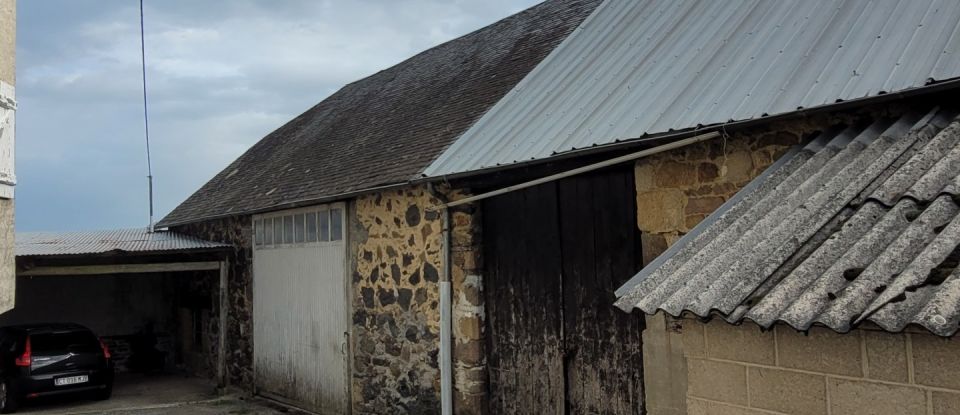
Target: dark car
39,360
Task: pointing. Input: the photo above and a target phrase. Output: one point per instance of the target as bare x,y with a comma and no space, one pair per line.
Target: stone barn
463,232
794,198
334,295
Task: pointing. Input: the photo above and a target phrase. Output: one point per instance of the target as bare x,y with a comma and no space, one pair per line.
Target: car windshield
62,343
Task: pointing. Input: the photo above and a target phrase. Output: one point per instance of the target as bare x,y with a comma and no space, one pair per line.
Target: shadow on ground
130,391
156,395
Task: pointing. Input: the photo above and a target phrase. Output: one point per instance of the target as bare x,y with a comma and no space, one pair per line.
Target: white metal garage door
300,318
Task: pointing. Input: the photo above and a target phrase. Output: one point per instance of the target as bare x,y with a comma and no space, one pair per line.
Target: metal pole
446,334
146,122
222,335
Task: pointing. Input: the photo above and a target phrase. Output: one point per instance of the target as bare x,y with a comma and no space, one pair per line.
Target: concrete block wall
743,370
675,191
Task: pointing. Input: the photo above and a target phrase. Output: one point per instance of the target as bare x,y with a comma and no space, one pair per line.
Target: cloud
220,76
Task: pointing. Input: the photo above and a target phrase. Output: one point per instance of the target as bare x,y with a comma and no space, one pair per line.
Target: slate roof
104,241
862,224
385,129
654,68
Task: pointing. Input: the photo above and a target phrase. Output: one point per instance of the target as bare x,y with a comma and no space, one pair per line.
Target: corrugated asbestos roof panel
649,67
861,224
97,242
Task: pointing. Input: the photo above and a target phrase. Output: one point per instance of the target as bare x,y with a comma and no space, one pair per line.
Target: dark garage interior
152,297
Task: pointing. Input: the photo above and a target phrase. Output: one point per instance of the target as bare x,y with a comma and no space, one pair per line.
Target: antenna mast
146,122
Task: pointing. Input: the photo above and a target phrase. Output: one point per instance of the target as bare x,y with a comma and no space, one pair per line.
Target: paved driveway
154,395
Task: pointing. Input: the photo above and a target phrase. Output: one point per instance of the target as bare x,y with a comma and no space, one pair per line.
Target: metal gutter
654,138
580,170
625,144
288,205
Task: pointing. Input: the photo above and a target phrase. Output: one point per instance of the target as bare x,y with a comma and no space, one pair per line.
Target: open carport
157,299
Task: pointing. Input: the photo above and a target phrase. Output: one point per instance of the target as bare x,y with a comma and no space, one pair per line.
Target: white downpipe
446,334
446,365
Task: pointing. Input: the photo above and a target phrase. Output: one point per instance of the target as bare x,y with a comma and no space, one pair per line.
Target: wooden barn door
554,255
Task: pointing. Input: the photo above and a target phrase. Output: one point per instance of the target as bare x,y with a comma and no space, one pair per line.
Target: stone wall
8,279
396,240
8,40
469,357
236,230
397,247
198,303
675,191
742,370
396,265
679,188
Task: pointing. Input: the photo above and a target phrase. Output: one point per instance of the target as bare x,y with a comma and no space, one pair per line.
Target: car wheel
104,394
8,398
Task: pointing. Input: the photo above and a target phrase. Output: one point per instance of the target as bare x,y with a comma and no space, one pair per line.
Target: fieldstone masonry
396,242
470,369
396,265
236,230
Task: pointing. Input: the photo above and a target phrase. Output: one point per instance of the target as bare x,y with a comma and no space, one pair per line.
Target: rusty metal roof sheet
862,224
138,240
636,68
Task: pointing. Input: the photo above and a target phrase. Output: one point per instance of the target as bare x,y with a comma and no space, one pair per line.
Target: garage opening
154,298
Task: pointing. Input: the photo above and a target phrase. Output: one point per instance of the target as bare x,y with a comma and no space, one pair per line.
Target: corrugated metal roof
635,68
96,242
860,225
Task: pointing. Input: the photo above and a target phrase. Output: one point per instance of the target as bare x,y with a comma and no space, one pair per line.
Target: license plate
71,380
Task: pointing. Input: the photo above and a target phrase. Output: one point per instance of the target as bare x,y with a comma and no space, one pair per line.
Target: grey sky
220,75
